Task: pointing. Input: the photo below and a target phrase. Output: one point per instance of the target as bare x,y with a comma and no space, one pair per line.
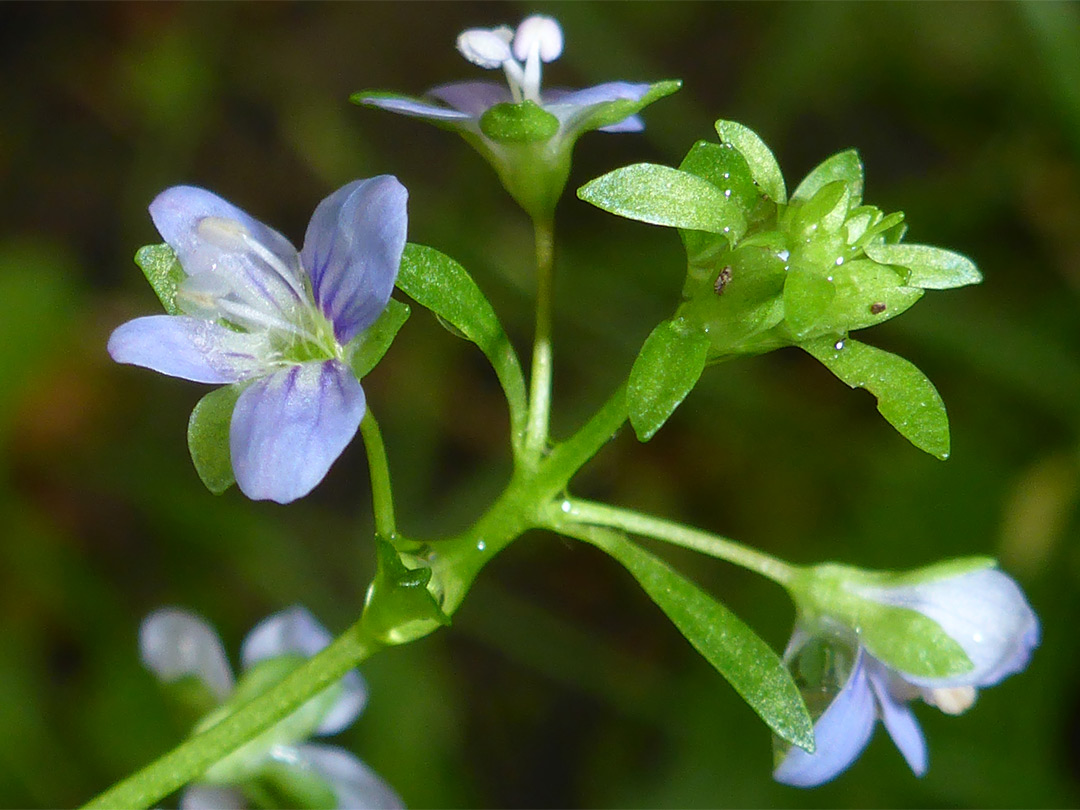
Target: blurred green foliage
559,684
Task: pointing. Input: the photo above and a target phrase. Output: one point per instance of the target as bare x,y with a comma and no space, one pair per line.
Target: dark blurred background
559,684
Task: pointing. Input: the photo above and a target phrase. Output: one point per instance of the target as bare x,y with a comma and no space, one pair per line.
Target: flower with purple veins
276,323
176,645
525,131
849,688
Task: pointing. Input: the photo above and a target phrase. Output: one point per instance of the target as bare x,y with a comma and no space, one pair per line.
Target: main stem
599,514
536,431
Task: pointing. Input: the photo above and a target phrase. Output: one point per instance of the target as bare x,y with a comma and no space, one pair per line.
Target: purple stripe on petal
414,108
841,733
352,251
473,98
189,348
355,785
898,717
289,427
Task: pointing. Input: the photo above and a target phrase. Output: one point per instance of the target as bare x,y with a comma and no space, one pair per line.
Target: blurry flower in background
277,768
275,322
525,131
848,688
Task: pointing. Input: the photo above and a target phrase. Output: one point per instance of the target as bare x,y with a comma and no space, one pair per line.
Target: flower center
519,53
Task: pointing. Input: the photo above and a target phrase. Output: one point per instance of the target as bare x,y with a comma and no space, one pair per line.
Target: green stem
536,431
187,762
382,496
598,514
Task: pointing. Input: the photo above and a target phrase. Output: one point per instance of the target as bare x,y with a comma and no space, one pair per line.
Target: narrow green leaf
368,348
906,398
931,268
844,166
440,284
208,437
736,651
661,195
162,269
665,371
762,162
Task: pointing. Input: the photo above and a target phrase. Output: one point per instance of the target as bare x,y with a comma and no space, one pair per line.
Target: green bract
765,271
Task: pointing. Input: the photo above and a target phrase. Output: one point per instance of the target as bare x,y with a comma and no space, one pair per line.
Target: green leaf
807,296
762,162
208,437
910,642
736,651
661,195
608,113
440,284
906,398
666,370
931,268
844,166
526,122
162,269
368,348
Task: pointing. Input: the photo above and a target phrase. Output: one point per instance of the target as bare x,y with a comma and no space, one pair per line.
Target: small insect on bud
722,280
877,307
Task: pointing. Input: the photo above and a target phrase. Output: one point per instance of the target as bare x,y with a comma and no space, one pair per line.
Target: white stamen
273,261
227,234
954,700
486,47
540,33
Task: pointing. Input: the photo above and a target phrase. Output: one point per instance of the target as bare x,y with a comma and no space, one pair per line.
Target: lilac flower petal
289,427
898,717
211,797
984,611
633,123
414,108
175,644
177,212
352,251
296,631
356,786
189,348
841,733
471,98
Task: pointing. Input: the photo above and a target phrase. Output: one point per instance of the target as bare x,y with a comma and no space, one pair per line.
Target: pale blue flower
278,322
984,611
526,131
176,644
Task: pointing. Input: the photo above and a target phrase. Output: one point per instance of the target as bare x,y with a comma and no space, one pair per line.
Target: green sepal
824,212
910,642
208,437
526,122
661,195
399,608
612,112
734,650
440,284
763,165
845,166
905,397
930,268
162,269
282,785
854,295
665,371
367,349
